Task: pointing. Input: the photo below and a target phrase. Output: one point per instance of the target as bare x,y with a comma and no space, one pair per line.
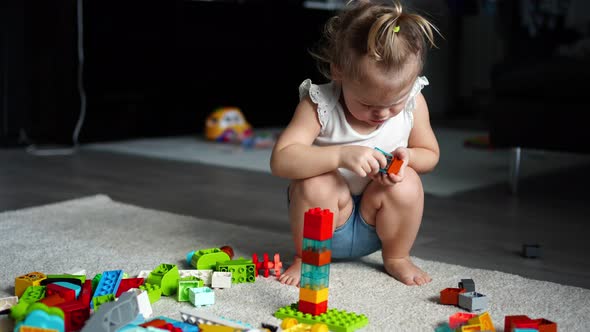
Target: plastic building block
468,284
180,324
204,275
511,323
8,302
469,327
313,308
207,259
242,270
42,316
266,265
71,278
201,296
314,296
318,224
166,276
292,325
52,300
315,277
444,327
154,292
316,252
221,280
97,301
34,329
108,284
337,320
184,286
68,294
127,284
143,302
86,293
113,315
75,314
31,295
532,251
460,318
30,279
484,320
198,318
451,295
473,301
393,163
228,250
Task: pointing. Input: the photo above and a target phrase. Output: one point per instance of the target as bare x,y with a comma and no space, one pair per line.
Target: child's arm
422,144
295,157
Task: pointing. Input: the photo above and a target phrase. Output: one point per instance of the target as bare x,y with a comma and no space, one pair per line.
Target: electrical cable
81,91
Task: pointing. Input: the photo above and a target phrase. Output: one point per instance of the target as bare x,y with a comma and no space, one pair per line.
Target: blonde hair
381,31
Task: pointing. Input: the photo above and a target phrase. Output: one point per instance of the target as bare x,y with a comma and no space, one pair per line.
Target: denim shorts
355,238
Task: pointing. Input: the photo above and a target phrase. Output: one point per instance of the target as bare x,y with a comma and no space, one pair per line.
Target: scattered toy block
221,280
451,295
532,251
468,284
473,301
201,296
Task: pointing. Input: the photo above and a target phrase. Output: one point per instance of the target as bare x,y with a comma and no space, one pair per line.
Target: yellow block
313,296
470,327
32,279
484,320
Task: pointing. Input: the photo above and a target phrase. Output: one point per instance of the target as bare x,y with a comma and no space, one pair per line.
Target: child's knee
322,187
408,192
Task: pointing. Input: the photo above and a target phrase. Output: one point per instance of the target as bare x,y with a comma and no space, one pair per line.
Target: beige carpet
98,234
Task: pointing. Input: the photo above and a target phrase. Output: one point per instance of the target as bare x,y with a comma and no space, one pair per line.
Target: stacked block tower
316,257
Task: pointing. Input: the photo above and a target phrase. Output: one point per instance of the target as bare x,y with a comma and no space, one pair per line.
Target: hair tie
396,29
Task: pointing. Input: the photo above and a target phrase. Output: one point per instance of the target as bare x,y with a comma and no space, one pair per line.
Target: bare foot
405,271
293,274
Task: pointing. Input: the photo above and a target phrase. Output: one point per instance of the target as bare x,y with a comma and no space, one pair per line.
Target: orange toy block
395,165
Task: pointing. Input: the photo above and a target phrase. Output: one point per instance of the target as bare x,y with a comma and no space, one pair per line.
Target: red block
509,320
86,293
67,294
546,325
76,314
459,319
127,284
451,295
318,224
313,308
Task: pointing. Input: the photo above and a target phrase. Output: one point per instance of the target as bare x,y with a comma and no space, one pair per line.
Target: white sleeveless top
335,130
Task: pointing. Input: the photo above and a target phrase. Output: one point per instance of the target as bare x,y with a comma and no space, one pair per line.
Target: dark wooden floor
484,228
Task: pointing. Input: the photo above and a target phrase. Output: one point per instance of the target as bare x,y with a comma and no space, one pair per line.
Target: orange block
316,258
395,165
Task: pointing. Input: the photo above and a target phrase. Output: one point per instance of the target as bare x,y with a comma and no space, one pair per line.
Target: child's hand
361,160
391,179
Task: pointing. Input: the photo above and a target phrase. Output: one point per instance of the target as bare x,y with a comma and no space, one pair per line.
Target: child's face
377,96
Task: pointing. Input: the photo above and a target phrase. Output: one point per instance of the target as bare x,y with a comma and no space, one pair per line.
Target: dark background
158,67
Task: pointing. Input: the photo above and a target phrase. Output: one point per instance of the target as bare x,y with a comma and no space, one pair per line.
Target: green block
154,291
166,276
207,259
242,270
31,295
95,281
184,284
337,320
97,301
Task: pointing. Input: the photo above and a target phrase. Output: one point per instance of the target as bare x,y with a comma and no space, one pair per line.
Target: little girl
373,54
